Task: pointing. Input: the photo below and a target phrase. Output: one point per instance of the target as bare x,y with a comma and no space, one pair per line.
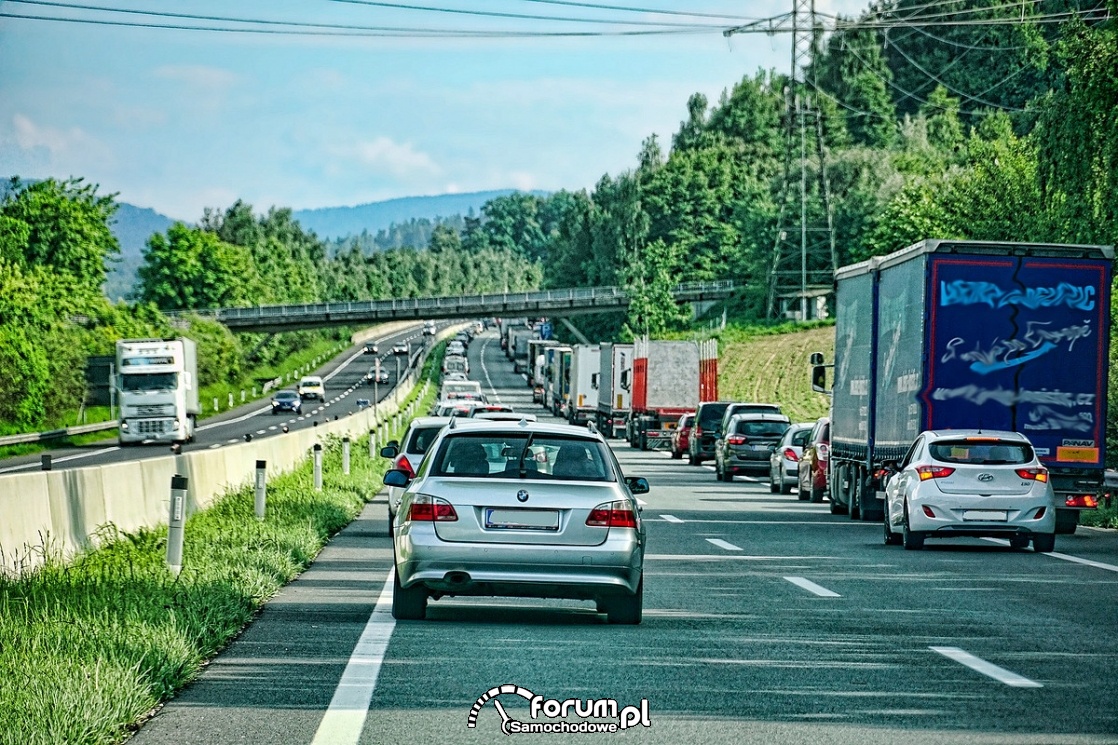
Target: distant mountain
339,222
132,226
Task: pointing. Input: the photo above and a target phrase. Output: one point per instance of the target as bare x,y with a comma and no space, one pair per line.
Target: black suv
704,431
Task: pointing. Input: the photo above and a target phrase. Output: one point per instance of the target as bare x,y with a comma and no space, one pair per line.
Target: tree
192,268
67,227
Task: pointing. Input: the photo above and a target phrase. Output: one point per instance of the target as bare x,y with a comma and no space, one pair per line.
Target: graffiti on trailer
1008,397
1003,354
1045,418
963,292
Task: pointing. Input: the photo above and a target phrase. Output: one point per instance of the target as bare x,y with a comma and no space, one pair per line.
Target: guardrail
54,434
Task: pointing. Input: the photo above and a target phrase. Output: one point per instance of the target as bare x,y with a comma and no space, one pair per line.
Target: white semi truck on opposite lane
157,384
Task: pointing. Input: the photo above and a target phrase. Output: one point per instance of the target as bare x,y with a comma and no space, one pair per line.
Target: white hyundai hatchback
970,483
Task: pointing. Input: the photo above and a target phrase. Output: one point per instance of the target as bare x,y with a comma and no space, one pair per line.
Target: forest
1002,128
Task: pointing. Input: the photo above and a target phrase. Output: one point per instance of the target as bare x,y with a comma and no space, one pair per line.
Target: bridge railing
593,295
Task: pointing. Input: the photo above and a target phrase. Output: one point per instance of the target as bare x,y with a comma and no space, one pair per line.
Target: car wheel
816,494
913,539
677,454
785,487
692,459
891,538
727,475
800,493
409,604
1044,543
391,522
625,609
1019,541
774,485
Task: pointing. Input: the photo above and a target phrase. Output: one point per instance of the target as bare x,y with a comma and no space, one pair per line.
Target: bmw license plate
989,516
499,519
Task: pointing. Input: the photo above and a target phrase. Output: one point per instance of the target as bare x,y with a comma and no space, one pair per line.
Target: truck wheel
409,604
1066,521
913,539
837,508
855,509
643,441
1044,543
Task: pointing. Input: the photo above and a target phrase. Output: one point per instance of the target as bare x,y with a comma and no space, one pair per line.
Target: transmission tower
803,261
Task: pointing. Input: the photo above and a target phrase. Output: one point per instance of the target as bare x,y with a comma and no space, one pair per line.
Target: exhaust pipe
457,578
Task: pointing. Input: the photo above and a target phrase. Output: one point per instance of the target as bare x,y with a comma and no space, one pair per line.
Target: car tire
785,487
692,460
409,604
625,609
1044,543
891,538
727,475
801,495
391,522
816,495
913,540
774,486
1019,541
677,454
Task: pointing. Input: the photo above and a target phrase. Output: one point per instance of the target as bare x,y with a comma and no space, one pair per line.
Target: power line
524,16
685,13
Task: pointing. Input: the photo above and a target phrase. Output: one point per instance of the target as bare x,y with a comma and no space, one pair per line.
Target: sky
180,120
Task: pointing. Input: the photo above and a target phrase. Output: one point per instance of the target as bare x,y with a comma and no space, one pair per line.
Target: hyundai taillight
934,472
790,454
426,509
403,464
617,514
1084,501
1033,474
736,440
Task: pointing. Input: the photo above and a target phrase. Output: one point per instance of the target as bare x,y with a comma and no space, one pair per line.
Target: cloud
399,159
72,148
202,76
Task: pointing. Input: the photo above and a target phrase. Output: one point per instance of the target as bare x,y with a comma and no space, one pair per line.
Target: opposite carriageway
565,302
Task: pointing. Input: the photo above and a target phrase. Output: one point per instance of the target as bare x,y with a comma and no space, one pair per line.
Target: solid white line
671,519
723,544
728,557
484,369
811,587
1064,557
345,718
238,420
39,464
978,664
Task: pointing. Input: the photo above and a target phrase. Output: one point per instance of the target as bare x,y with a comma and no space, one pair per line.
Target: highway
766,620
342,377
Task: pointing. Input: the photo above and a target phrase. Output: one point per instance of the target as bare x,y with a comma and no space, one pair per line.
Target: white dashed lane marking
724,544
978,664
671,519
813,588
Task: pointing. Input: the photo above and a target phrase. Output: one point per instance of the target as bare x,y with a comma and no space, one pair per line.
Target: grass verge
88,648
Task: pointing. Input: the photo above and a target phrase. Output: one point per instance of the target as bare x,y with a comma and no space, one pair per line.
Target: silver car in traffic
970,483
520,509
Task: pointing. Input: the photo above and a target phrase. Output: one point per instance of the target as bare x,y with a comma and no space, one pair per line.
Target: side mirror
389,451
819,379
396,477
637,484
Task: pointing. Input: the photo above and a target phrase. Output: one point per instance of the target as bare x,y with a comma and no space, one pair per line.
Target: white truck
157,380
615,373
582,405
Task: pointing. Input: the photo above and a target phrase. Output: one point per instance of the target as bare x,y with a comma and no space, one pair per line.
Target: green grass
1103,517
89,647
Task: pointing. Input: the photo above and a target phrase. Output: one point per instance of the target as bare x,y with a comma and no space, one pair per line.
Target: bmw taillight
404,465
790,454
934,472
617,514
1033,474
426,509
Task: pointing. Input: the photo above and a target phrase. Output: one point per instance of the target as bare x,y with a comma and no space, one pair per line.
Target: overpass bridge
571,301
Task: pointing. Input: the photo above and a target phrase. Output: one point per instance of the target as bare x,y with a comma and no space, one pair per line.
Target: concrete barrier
65,511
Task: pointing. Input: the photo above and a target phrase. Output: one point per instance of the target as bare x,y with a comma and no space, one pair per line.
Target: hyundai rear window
989,452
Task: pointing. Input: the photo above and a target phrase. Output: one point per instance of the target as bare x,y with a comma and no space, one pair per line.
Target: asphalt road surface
343,381
766,620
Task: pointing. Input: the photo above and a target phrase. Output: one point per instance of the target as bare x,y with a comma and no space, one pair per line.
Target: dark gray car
748,443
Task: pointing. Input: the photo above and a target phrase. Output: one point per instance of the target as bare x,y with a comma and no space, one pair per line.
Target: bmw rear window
981,452
515,455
